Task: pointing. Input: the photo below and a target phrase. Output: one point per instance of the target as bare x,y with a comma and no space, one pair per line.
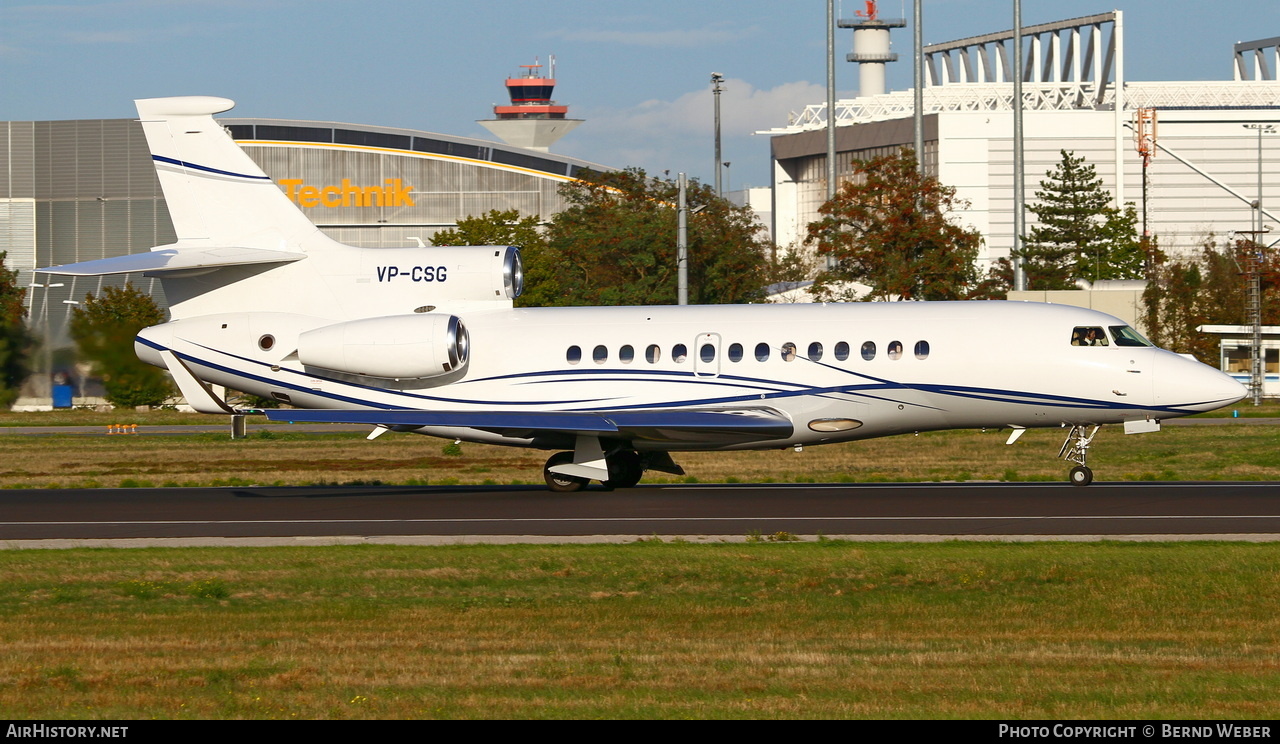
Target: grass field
645,630
276,456
764,629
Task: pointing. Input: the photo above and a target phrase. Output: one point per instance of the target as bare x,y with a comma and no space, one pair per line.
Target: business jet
426,340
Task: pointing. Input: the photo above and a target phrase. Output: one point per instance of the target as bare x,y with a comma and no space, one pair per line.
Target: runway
446,514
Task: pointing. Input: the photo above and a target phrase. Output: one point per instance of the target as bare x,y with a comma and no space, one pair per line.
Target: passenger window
573,355
707,353
1126,336
762,352
600,354
679,353
653,354
815,351
869,350
788,352
842,351
626,354
735,352
922,349
895,350
1088,336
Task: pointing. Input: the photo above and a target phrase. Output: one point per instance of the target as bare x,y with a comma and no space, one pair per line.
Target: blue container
62,396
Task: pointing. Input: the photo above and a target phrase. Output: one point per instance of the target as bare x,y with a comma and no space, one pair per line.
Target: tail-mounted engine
439,275
394,347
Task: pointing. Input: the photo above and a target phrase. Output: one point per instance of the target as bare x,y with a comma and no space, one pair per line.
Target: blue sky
637,72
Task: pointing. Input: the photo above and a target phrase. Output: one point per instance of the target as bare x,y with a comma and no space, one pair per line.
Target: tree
507,227
15,339
615,244
1210,288
103,329
1079,234
890,228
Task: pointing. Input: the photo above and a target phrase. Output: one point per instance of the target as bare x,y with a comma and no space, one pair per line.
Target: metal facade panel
18,239
89,166
61,162
17,172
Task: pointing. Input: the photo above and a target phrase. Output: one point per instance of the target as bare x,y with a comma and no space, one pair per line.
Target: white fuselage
960,365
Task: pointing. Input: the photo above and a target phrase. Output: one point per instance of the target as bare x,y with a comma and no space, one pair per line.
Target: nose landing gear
1076,449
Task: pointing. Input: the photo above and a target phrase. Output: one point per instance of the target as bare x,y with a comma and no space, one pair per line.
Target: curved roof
407,140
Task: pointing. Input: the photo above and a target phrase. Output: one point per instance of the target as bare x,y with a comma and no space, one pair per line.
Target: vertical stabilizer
215,193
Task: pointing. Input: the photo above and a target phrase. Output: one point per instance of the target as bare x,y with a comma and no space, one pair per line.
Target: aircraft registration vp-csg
427,340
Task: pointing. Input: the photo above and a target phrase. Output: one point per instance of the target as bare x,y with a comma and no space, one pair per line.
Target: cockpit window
1126,336
1088,336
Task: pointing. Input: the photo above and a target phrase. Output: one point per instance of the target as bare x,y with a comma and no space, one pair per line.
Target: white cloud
678,134
744,109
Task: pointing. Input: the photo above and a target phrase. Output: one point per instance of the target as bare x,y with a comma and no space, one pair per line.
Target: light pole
1019,189
682,242
716,79
1257,357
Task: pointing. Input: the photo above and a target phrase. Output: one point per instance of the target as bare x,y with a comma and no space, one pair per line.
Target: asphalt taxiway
452,514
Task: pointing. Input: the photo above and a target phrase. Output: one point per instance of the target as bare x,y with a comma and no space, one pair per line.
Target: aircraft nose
1185,383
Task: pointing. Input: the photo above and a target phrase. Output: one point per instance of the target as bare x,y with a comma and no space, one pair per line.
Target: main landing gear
1076,449
626,468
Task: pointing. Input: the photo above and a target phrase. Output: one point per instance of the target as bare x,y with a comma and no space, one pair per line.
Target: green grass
282,456
766,629
1270,408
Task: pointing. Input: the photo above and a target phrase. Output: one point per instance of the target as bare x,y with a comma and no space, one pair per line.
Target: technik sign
393,193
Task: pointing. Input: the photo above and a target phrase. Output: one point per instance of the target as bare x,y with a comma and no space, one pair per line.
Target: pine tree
1079,234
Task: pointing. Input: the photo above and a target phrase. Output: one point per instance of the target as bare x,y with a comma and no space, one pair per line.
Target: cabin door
706,355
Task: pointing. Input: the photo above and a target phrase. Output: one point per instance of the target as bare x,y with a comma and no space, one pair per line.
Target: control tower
871,47
533,120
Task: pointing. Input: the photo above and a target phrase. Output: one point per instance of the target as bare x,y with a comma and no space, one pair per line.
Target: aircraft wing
173,259
672,425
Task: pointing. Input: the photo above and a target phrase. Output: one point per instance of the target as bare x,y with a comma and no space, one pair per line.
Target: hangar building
1213,145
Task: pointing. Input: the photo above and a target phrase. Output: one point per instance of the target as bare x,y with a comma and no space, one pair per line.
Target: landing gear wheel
561,483
625,470
1081,476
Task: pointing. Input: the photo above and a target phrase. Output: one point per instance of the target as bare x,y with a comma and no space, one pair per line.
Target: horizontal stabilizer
674,426
171,260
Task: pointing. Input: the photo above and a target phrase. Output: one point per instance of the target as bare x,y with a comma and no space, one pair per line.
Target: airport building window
895,350
815,351
922,350
574,355
652,354
1088,336
869,350
679,353
372,139
735,352
626,354
600,354
842,351
762,352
